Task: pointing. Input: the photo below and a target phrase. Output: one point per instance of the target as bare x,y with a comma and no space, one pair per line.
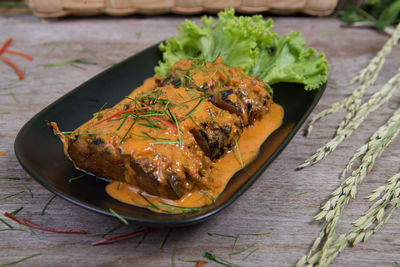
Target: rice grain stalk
377,214
366,77
373,103
332,210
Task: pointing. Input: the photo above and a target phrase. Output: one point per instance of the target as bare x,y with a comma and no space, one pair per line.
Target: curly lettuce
250,43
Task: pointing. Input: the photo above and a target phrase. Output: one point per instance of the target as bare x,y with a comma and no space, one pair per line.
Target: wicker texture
60,8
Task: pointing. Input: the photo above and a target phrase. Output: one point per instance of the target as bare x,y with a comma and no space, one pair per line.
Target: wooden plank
283,201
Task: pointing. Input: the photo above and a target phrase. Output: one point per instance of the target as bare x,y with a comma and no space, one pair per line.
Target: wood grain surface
283,201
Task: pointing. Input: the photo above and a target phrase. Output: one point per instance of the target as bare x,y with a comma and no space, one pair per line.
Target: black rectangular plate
40,152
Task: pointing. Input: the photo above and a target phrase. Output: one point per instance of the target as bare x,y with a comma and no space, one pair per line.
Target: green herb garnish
146,135
16,211
250,253
118,216
191,111
20,260
47,204
164,238
11,195
70,62
7,224
9,178
27,188
14,98
219,260
110,232
148,201
175,121
76,133
238,151
241,251
127,132
141,238
164,143
76,178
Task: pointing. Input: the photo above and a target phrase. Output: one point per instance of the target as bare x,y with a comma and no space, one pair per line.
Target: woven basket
60,8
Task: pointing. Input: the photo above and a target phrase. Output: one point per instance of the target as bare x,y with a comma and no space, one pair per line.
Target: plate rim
151,222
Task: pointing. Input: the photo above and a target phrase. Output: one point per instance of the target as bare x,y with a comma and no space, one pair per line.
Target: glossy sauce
217,96
223,169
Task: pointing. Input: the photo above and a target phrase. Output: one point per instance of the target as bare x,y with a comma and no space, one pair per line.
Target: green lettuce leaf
250,43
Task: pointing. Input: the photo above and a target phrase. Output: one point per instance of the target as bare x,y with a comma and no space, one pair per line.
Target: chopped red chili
36,226
121,113
5,44
110,239
12,52
168,123
3,49
15,67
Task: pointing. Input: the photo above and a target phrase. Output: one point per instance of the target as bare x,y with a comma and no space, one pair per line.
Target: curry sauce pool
176,142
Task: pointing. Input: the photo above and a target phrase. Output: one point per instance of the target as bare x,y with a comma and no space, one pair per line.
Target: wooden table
283,201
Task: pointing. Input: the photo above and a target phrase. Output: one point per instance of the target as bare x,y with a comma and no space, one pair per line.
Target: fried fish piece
164,136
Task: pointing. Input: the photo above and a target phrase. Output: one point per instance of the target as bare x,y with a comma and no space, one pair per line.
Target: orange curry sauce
171,147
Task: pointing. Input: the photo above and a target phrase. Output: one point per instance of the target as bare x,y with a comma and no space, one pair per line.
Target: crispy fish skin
164,137
227,88
94,154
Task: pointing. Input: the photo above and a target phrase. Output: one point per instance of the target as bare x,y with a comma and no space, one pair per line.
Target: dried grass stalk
355,111
332,210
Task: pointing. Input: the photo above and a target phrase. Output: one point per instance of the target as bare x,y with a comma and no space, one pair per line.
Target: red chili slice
168,123
5,44
121,113
15,67
48,229
110,239
12,52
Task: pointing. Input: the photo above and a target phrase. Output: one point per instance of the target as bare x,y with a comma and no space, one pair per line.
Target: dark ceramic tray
40,152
